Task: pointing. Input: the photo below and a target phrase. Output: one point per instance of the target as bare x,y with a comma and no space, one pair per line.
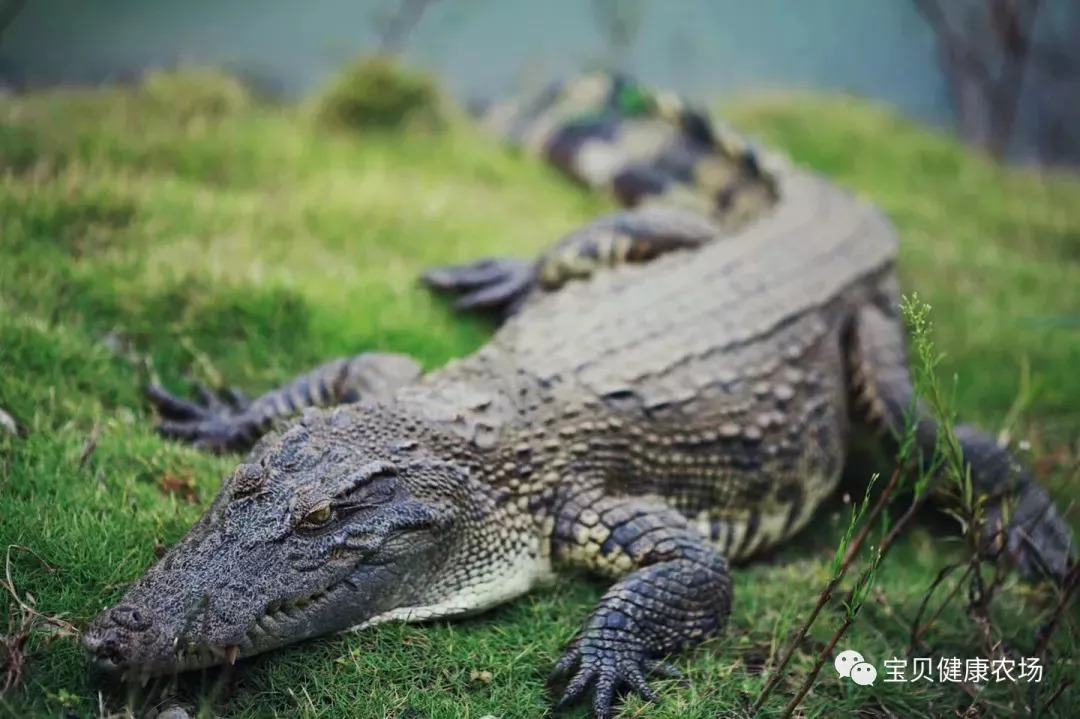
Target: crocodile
669,389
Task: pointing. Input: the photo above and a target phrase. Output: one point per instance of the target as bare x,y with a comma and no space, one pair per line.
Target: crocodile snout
113,638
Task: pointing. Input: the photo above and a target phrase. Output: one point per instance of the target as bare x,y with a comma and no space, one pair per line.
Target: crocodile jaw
144,636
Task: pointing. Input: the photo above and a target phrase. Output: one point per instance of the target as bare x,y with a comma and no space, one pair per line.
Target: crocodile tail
637,145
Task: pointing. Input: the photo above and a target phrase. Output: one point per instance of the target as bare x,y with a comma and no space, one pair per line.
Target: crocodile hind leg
235,425
503,286
674,591
1036,536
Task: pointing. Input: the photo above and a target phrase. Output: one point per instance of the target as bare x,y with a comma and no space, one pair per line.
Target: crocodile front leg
675,592
504,286
235,426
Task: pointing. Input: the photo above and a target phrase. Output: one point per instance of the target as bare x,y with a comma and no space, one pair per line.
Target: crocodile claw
498,286
1038,541
608,668
214,422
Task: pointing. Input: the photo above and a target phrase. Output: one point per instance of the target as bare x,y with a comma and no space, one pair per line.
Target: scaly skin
671,390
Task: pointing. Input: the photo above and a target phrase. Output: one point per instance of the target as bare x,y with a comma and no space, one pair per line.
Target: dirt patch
183,487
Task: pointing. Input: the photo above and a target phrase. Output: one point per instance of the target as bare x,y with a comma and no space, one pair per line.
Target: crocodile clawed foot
497,286
214,422
1040,544
610,666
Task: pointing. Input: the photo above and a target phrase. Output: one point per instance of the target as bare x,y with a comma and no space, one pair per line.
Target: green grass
233,239
380,93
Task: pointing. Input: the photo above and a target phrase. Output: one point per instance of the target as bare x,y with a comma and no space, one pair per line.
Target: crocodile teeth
230,653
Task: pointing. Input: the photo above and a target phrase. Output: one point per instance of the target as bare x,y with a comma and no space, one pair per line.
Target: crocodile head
344,517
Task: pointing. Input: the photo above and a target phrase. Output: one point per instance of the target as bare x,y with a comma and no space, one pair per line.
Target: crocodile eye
318,516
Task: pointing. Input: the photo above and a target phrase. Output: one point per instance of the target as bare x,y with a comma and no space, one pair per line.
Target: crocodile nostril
105,648
131,618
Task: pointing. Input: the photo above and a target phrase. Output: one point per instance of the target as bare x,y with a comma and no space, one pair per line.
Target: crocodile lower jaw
263,628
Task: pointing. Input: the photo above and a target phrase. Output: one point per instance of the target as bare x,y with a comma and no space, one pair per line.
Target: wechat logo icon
851,665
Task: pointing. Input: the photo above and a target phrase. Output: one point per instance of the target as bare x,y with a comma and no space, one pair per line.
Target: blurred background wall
889,50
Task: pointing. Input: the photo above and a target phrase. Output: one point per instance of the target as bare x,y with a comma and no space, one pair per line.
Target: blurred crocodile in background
671,388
